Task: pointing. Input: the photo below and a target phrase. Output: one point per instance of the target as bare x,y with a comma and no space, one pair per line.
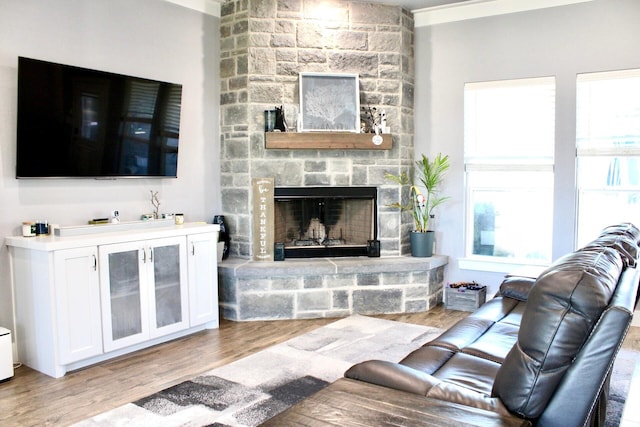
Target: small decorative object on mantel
377,138
374,122
281,122
269,120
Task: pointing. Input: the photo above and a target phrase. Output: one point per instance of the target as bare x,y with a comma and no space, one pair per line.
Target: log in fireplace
326,221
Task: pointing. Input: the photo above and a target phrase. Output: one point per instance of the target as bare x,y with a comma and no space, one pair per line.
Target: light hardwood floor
34,399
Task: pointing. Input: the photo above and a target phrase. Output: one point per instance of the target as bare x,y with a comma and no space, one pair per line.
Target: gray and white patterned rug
251,390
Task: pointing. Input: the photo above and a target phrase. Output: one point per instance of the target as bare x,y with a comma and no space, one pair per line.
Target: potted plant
427,175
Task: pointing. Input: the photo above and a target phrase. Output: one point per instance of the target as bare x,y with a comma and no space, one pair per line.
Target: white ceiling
417,4
426,12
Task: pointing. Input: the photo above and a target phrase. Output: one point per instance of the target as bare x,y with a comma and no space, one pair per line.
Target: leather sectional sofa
541,351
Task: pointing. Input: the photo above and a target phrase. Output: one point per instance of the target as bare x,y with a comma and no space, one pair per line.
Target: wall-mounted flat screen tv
79,123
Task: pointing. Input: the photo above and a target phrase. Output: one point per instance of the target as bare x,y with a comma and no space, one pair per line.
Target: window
508,151
608,147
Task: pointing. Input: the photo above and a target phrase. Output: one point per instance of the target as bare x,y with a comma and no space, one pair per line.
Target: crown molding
481,8
208,7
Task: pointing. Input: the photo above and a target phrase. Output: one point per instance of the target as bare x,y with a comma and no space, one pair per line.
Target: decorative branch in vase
373,121
155,202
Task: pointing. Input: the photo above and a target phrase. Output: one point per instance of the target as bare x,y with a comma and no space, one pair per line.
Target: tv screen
79,123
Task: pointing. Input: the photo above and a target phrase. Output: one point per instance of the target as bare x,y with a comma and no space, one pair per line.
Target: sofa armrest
392,375
516,287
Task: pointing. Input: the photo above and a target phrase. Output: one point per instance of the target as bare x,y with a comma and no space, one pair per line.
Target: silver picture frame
329,102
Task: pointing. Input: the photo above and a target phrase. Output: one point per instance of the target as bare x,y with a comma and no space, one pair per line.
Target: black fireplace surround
326,221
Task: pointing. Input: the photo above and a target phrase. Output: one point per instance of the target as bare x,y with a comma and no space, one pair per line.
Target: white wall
562,42
147,38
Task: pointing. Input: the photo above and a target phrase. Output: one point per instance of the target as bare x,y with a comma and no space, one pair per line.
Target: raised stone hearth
329,287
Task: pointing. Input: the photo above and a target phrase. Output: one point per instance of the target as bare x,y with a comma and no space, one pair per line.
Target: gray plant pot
421,243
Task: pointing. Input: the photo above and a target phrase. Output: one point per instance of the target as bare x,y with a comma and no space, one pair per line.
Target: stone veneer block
267,306
326,287
315,300
374,301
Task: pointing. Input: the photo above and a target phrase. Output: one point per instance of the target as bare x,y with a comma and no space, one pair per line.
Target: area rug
249,391
623,372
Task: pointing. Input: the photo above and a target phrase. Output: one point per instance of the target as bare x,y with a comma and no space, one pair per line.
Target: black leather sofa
541,350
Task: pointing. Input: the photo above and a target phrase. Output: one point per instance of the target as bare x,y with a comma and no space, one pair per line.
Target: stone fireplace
326,221
264,46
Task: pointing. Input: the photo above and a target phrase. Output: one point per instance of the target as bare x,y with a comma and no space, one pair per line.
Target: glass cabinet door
123,296
169,300
166,274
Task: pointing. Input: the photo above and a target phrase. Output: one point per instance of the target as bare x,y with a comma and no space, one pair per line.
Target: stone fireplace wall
264,45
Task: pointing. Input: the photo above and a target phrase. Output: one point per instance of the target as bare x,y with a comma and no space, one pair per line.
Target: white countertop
110,233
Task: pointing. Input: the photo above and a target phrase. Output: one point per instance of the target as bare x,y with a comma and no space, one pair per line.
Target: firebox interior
325,221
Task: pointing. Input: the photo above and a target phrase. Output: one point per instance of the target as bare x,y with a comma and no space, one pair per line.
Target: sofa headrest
625,228
563,306
624,238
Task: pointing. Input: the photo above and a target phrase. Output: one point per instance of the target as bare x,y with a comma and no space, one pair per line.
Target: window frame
587,150
474,164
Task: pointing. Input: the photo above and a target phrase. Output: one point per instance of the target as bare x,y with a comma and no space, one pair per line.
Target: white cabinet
83,299
203,279
144,290
77,304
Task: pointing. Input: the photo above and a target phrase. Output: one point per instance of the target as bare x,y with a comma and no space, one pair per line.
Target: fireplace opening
325,221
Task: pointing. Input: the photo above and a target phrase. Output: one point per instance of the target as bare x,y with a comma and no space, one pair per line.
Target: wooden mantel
326,141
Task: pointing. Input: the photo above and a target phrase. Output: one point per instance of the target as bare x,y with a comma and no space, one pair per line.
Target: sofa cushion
462,333
495,344
428,358
563,306
468,372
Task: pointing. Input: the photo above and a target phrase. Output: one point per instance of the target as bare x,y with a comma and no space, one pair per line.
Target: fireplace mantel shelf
326,141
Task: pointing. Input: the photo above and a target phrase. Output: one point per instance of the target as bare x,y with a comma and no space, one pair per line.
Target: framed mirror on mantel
327,141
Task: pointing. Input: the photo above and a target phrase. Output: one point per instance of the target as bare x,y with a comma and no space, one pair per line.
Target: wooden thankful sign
263,219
